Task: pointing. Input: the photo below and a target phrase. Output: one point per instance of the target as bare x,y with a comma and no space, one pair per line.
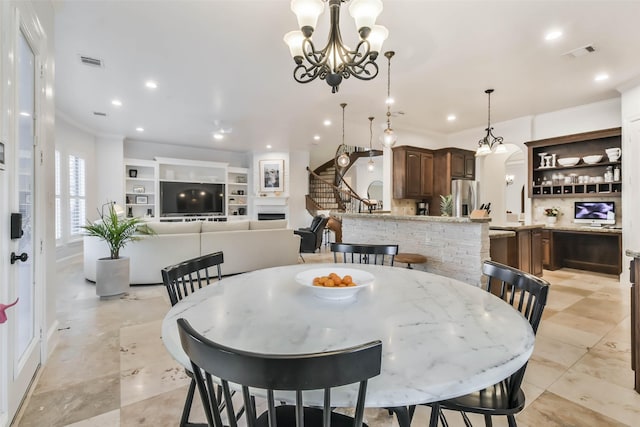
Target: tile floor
111,369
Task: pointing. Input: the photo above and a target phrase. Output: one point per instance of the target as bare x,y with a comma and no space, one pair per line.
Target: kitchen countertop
514,226
584,229
422,218
497,234
634,254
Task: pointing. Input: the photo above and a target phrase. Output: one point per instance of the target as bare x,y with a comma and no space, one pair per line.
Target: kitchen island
523,250
454,247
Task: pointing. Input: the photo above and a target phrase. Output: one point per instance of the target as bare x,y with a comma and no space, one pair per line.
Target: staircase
327,190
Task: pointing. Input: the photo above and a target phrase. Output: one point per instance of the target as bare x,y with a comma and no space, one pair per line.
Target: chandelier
342,158
335,61
388,137
490,143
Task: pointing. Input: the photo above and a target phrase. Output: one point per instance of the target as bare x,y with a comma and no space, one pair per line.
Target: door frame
20,17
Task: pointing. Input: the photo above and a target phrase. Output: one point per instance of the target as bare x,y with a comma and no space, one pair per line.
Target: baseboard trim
52,340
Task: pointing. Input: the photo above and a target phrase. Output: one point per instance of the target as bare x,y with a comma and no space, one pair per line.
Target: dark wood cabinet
448,164
583,250
546,248
576,145
412,173
523,251
536,252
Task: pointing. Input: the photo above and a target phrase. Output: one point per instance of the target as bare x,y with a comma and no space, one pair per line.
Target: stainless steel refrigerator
465,196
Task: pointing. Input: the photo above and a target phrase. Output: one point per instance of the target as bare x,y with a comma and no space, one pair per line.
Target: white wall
139,149
109,170
630,174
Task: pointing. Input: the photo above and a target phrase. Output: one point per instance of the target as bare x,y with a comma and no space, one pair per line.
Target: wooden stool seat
409,259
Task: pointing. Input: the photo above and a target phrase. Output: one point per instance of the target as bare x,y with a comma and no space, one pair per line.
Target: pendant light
388,137
490,143
342,159
371,164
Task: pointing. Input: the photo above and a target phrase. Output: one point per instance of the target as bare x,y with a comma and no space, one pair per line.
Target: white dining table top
441,338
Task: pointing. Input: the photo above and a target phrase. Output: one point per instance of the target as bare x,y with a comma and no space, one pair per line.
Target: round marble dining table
441,338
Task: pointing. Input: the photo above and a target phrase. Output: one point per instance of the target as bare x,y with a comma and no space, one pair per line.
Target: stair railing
346,198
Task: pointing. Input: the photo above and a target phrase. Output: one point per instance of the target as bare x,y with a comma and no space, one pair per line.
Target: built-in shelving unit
578,180
141,187
143,180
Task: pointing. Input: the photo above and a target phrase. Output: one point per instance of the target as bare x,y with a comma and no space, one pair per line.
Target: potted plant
446,205
552,215
112,273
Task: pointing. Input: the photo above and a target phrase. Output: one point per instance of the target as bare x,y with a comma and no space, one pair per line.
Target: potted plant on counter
446,205
112,273
552,215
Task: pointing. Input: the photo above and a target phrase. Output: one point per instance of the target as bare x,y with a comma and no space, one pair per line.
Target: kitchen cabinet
583,249
448,164
578,180
412,173
524,251
634,276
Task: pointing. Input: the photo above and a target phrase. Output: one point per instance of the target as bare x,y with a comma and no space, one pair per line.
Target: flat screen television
595,213
190,198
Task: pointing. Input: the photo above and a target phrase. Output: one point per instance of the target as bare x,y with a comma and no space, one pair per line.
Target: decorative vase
112,276
551,220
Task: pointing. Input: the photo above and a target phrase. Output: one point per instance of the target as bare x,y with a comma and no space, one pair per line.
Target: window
58,196
77,213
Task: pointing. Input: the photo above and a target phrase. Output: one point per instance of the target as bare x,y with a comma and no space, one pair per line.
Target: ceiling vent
581,51
99,113
93,62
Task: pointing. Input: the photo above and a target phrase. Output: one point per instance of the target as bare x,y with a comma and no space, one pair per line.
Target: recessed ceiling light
390,101
151,84
316,137
601,77
552,35
140,129
218,136
327,122
269,146
25,114
117,102
451,117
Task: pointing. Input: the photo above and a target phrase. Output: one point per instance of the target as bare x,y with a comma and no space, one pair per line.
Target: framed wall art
142,200
271,175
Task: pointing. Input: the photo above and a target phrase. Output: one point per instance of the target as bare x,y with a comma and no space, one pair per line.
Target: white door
24,325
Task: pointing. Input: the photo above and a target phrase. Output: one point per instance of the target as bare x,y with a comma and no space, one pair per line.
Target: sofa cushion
268,225
209,226
175,227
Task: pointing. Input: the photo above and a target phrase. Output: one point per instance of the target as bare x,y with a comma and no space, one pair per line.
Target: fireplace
267,216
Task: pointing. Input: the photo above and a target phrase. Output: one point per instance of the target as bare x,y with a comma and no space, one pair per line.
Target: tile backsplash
565,205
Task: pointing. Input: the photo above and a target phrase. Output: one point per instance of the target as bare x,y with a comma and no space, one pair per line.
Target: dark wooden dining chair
356,253
279,372
181,280
527,294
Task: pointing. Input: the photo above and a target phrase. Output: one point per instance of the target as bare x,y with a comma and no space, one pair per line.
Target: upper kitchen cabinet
463,163
412,173
576,165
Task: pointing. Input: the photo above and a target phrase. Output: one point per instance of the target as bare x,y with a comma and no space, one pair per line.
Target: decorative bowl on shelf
568,161
592,160
360,278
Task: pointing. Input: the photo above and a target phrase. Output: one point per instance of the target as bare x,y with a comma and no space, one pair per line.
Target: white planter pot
112,276
551,220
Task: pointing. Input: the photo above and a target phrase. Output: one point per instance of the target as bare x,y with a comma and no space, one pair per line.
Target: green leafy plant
117,231
446,205
552,212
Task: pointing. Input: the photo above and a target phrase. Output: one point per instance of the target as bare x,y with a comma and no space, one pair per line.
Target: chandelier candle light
490,143
336,61
388,137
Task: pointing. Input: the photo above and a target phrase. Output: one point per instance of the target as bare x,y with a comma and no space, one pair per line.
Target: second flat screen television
189,198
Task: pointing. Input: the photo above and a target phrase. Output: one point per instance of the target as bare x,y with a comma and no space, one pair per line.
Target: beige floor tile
109,419
619,403
598,309
542,372
556,351
568,335
140,343
551,410
560,300
581,323
153,378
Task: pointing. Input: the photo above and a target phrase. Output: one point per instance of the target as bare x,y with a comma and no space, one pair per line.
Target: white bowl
361,278
592,160
568,161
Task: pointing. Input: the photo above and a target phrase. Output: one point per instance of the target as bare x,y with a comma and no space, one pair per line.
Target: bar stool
409,258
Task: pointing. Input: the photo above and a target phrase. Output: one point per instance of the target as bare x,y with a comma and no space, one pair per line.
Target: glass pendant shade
378,35
294,39
307,12
371,165
343,160
501,149
389,138
365,12
483,149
